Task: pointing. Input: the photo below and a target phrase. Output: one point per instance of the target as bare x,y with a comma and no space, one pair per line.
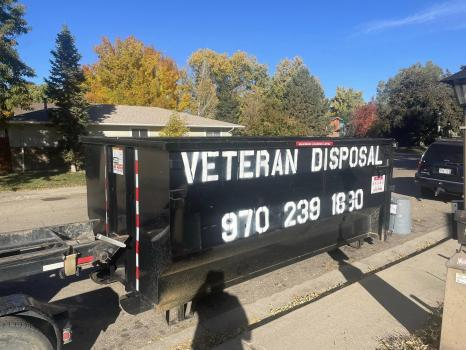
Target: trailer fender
52,315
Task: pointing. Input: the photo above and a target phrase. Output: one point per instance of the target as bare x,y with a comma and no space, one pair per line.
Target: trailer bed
30,252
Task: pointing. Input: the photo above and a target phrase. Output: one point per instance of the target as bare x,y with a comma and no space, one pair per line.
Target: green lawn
40,180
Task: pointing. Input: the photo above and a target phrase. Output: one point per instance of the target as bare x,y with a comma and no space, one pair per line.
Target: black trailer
177,217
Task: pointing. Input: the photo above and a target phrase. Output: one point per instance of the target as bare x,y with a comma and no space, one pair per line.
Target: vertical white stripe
137,213
106,188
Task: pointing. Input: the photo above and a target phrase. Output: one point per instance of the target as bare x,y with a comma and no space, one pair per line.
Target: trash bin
400,216
191,208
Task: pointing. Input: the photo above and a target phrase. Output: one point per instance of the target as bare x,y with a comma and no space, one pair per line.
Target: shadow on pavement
222,314
41,287
406,187
90,314
398,305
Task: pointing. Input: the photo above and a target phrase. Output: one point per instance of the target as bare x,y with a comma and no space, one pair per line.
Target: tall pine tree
304,99
65,87
13,71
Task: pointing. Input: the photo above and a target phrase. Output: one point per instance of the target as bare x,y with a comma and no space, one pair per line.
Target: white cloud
430,15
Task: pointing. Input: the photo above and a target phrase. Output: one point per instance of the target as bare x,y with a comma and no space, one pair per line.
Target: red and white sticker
378,184
313,143
118,161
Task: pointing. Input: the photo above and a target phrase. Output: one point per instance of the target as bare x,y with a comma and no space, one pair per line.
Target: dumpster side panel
154,219
208,213
242,227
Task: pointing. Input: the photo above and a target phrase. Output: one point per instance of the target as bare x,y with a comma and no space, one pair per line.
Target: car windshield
444,153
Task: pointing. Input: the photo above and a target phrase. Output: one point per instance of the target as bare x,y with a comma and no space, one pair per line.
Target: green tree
413,104
284,72
344,103
291,103
37,92
234,77
65,87
175,127
299,95
13,71
304,100
262,115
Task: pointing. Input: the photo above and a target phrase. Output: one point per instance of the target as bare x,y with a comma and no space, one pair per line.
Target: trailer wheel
17,333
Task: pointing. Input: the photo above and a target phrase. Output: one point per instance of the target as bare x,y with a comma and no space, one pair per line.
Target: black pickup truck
440,169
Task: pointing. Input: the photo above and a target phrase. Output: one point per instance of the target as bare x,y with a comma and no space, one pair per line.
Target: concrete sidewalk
395,300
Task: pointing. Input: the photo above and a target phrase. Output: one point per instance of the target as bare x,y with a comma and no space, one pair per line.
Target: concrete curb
267,309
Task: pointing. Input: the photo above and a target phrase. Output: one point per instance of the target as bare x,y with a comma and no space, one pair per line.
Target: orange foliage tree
128,72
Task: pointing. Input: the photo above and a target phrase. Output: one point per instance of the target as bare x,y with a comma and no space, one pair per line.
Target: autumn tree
363,119
413,104
131,73
205,93
233,76
65,87
13,71
344,103
175,127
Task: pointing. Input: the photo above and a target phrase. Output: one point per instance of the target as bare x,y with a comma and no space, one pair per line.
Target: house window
213,133
139,133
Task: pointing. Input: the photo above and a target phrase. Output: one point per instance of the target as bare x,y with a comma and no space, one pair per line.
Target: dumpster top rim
205,142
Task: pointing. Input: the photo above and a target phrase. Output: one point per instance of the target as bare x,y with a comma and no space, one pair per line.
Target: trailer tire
18,333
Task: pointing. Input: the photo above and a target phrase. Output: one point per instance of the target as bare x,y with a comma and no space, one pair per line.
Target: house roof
461,75
105,114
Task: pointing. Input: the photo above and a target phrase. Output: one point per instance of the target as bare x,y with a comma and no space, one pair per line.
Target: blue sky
344,43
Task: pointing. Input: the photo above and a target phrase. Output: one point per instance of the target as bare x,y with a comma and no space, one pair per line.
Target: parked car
440,168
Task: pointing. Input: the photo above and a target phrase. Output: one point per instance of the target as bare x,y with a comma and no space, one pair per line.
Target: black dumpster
241,206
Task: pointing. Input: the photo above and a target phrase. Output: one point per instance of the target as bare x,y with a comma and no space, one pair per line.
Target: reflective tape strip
54,266
85,260
106,193
136,180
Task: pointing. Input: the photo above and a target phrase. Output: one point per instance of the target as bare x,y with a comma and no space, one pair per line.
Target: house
33,139
337,127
